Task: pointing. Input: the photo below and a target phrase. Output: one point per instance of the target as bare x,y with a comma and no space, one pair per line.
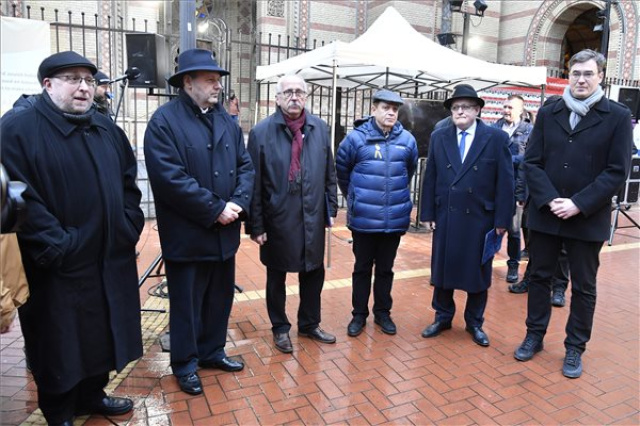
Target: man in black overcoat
577,159
202,181
82,319
467,192
294,199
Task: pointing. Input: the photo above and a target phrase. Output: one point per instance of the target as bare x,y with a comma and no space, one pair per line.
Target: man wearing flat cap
374,165
467,194
202,182
103,94
82,319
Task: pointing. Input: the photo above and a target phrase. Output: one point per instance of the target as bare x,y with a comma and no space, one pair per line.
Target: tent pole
333,144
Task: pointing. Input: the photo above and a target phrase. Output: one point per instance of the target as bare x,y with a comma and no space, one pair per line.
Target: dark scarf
73,118
295,126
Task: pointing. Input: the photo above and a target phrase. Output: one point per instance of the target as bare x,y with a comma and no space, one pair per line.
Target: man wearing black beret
82,319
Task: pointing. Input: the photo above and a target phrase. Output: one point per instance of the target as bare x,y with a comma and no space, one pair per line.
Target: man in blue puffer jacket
375,164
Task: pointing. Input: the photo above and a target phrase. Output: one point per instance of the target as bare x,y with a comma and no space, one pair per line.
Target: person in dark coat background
518,129
467,192
577,159
202,180
82,319
374,165
295,194
103,94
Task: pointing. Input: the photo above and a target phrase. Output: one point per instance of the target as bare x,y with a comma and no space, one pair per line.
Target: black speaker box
148,53
630,96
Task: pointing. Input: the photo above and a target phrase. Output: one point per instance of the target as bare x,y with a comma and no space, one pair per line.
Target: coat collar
453,153
278,118
593,117
58,119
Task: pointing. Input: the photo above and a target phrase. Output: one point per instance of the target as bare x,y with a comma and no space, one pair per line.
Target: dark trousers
311,283
59,407
369,249
513,244
560,279
584,260
200,297
445,306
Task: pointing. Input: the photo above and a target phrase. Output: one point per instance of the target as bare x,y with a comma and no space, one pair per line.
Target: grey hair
586,55
289,77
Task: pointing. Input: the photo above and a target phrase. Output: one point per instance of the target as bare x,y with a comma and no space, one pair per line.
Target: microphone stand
124,86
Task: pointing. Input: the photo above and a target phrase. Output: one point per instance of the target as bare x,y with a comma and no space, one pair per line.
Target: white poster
24,44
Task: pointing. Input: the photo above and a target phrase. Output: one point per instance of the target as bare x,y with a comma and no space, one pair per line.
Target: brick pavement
376,378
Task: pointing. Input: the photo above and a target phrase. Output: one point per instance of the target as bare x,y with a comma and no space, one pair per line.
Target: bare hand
564,208
259,239
230,213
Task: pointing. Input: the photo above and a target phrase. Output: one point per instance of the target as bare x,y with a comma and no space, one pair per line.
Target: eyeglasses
464,108
289,93
575,75
75,80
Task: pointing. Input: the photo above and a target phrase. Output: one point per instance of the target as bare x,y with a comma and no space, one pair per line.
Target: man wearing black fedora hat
82,319
202,181
467,193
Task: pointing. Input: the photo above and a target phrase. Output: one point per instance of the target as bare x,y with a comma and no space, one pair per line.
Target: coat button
475,168
570,140
230,172
215,174
470,190
227,146
565,165
468,211
209,147
448,166
210,203
453,187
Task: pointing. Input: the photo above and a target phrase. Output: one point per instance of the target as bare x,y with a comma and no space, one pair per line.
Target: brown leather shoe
319,335
283,342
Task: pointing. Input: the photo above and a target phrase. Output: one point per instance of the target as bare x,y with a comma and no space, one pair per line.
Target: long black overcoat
77,244
588,164
295,228
466,200
196,163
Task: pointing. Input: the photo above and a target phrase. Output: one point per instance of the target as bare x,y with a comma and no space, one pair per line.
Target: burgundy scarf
295,126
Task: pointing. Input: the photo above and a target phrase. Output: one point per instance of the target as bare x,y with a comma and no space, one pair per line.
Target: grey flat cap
387,96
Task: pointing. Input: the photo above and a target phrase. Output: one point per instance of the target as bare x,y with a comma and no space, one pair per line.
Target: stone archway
551,22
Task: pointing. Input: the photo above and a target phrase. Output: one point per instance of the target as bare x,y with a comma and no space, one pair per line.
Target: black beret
387,96
101,78
61,60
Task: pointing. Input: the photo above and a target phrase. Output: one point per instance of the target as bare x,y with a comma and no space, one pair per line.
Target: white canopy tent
392,54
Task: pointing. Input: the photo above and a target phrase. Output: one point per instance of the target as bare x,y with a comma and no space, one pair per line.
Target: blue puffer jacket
375,173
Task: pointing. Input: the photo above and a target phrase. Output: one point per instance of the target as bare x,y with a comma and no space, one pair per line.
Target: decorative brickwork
276,8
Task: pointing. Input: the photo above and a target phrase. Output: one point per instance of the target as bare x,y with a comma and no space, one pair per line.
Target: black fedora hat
463,91
195,60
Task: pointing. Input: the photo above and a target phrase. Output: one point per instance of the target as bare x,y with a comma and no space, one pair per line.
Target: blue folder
492,244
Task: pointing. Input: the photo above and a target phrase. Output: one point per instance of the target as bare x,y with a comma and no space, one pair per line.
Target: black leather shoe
519,288
558,298
283,342
528,349
356,326
108,406
436,328
318,334
512,274
386,323
190,384
65,423
572,366
479,336
224,364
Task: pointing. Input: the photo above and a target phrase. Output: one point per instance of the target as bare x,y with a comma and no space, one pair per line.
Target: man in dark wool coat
467,192
202,181
295,195
82,319
578,158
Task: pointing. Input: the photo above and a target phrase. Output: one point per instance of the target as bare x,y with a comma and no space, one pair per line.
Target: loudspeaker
631,190
631,98
148,53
